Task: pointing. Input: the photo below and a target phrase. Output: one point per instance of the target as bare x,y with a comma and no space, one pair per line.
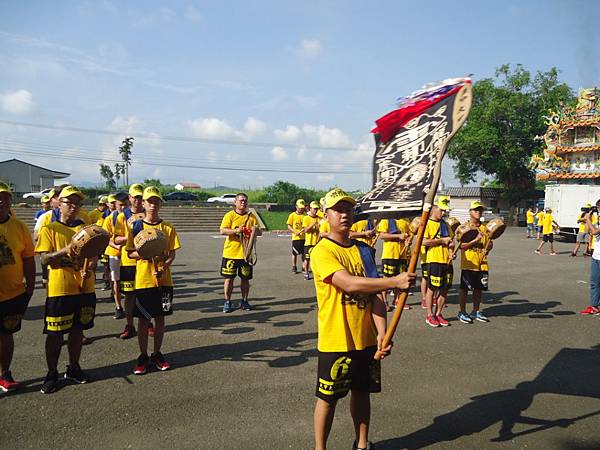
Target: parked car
182,196
225,198
37,194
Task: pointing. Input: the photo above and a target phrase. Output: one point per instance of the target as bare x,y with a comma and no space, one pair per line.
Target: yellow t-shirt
312,237
66,280
582,225
439,253
295,220
475,258
547,223
320,214
394,249
344,321
324,226
96,217
530,216
232,249
109,224
360,227
15,245
540,217
593,238
144,277
124,221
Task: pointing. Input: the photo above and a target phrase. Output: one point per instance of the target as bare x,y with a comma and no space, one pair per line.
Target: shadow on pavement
568,373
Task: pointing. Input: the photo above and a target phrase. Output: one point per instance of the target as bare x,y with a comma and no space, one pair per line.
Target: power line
177,138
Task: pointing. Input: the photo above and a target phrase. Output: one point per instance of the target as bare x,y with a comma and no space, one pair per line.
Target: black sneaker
50,383
294,269
369,446
119,313
74,373
159,361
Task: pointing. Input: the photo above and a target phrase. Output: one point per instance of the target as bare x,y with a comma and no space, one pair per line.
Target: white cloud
279,153
254,127
326,137
193,14
290,134
310,48
129,124
301,152
211,128
17,102
325,177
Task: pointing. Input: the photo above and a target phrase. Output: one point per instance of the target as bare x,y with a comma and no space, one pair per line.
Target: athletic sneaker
8,384
84,340
228,306
432,321
119,313
159,361
50,383
464,317
423,304
245,305
74,373
306,276
407,306
150,329
443,322
107,286
477,315
538,252
294,269
141,366
590,310
553,253
128,332
369,446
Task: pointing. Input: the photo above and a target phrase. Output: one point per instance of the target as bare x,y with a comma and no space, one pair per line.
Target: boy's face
313,211
153,204
475,213
5,203
69,206
136,202
341,216
120,206
436,213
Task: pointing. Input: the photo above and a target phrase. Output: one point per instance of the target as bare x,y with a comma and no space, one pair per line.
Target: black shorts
424,270
298,247
66,312
127,279
153,302
473,279
232,267
439,276
307,250
340,372
393,267
11,313
548,237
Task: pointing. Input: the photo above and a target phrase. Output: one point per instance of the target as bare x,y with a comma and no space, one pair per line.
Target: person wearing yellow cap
310,224
71,299
582,234
548,224
594,230
16,264
45,202
153,281
130,214
438,241
321,211
113,252
294,224
97,213
530,219
538,221
234,225
474,267
50,215
351,321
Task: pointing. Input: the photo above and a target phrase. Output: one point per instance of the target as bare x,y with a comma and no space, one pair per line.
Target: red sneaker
590,310
423,305
159,361
8,384
443,322
150,330
84,340
432,321
141,366
128,332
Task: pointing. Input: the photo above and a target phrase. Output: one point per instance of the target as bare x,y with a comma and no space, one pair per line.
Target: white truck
566,201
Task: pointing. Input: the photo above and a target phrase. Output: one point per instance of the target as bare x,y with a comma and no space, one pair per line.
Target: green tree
152,182
109,176
286,193
119,170
125,152
506,116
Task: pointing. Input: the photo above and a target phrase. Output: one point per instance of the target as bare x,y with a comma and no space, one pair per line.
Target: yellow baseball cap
44,199
588,205
300,203
151,191
52,193
103,200
71,190
476,205
5,188
314,204
136,189
443,202
322,201
111,198
335,196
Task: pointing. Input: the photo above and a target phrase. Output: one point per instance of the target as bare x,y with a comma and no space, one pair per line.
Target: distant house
182,186
22,176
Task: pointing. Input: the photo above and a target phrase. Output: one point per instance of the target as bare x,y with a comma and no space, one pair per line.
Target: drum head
150,242
90,241
466,232
495,228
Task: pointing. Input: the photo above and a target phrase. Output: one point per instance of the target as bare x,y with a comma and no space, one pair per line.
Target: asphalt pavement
527,379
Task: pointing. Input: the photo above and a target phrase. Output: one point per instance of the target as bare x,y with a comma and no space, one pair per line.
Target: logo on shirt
6,254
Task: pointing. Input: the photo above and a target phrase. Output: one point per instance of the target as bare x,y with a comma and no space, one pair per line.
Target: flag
410,144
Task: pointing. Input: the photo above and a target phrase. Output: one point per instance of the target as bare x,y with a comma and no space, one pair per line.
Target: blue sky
284,86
